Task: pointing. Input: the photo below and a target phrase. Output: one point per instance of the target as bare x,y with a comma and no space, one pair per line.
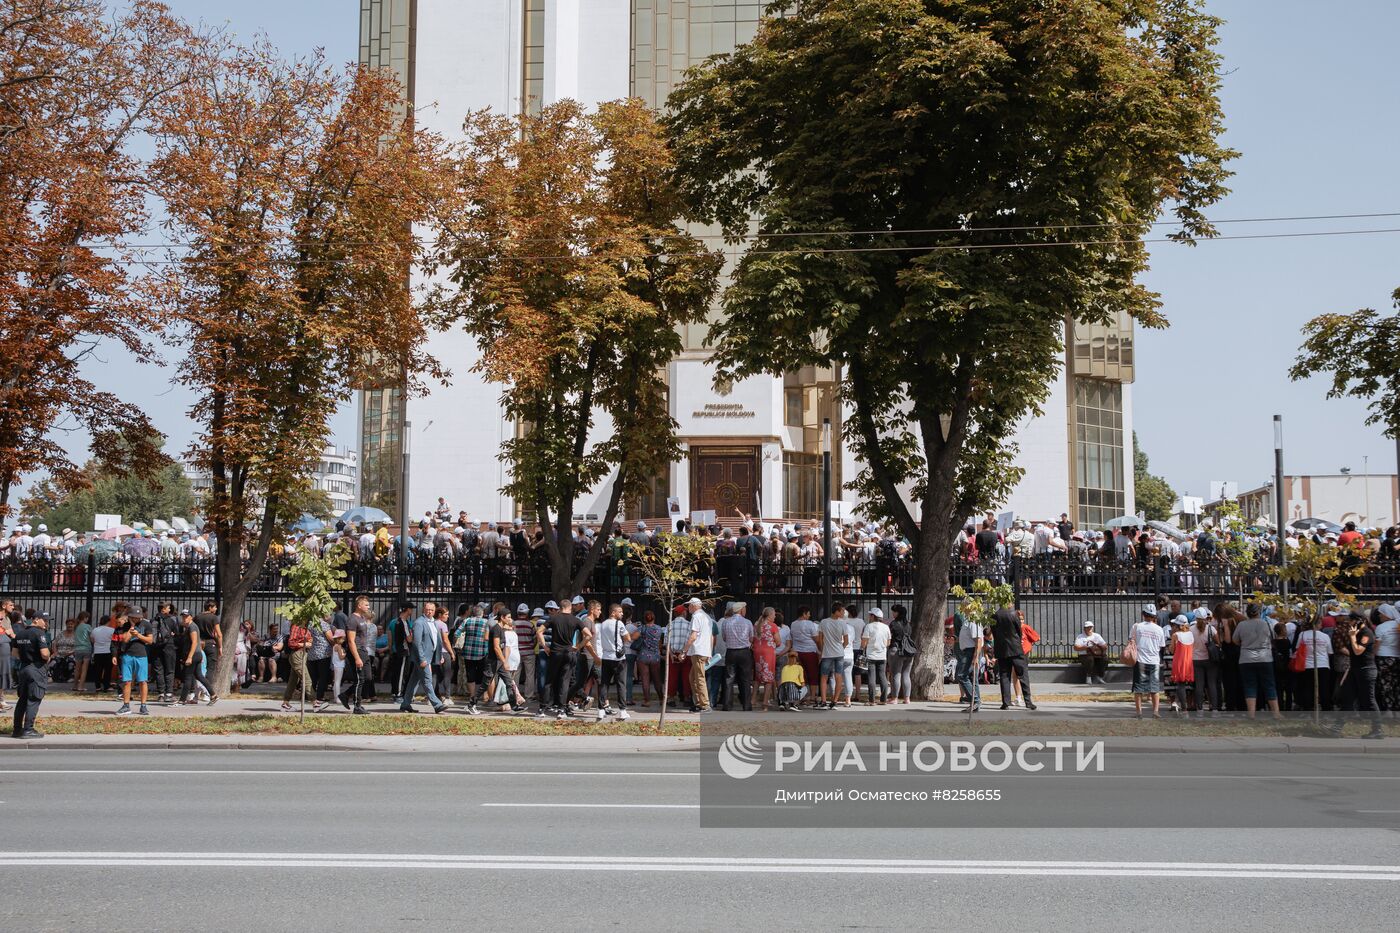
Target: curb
651,744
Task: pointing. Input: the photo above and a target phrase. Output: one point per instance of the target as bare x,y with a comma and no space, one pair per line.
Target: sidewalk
263,700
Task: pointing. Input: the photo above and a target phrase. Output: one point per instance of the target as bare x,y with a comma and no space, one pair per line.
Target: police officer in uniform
32,646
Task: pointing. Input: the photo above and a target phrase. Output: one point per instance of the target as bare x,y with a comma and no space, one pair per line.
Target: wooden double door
724,479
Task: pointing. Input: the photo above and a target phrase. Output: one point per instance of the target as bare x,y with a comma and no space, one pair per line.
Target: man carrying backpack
163,653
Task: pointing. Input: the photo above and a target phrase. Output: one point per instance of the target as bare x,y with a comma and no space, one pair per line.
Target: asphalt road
282,840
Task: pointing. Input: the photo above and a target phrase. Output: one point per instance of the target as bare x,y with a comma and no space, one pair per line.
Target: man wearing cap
697,649
1093,654
1148,640
875,639
31,646
562,633
525,642
191,659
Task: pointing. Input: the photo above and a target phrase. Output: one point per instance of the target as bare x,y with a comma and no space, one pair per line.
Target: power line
178,244
788,252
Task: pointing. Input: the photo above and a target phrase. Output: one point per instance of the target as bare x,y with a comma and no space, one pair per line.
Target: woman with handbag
1312,673
1205,661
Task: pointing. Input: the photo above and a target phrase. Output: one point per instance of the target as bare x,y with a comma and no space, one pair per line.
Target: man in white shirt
876,642
970,644
1149,639
1093,654
697,649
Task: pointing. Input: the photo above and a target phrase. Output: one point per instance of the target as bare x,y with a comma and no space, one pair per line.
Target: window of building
792,408
1098,450
802,485
532,88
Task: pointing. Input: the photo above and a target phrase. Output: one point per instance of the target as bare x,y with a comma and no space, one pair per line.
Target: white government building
756,448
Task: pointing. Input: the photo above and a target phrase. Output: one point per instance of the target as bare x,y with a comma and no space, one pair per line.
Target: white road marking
595,806
348,773
1272,778
593,862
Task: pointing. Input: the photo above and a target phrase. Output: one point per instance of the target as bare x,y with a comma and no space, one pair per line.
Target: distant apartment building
337,474
1372,501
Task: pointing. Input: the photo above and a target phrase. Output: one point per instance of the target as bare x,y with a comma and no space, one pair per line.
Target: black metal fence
1056,593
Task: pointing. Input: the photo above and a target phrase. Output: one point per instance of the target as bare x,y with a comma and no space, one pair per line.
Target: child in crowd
792,684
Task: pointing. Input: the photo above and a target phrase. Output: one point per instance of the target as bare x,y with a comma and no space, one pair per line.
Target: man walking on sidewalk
163,654
423,648
697,648
1010,655
359,657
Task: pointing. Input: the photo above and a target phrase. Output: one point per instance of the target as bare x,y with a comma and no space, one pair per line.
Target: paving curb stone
1173,745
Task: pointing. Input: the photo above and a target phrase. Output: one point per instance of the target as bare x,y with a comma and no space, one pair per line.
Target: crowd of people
579,659
1344,659
447,554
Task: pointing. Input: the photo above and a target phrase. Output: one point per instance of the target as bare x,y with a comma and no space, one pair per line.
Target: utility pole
826,513
405,430
1280,519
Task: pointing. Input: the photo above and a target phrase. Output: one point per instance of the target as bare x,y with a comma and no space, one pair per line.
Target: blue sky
1310,99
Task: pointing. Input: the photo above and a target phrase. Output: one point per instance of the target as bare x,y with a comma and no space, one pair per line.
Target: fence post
91,604
1015,565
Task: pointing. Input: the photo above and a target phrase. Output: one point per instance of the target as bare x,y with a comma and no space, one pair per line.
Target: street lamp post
1366,479
1279,519
826,513
403,507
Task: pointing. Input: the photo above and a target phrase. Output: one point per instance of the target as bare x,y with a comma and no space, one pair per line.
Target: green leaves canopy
566,264
930,189
1360,351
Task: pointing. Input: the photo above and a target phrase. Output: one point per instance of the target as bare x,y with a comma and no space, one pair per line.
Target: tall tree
162,493
76,88
926,192
295,188
1360,352
565,263
1153,494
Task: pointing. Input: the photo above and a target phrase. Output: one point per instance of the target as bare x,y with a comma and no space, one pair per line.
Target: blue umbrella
361,514
308,523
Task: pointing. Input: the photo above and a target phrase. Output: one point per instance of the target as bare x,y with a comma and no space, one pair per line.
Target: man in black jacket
1010,655
163,653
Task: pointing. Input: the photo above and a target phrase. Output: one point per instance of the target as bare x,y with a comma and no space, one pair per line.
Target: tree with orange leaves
566,262
76,87
293,188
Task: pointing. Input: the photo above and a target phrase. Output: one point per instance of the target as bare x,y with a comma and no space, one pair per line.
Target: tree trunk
931,584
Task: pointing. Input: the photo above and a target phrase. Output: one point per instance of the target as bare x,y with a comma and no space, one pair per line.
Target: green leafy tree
673,566
924,193
1359,351
314,581
567,267
1154,494
163,493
